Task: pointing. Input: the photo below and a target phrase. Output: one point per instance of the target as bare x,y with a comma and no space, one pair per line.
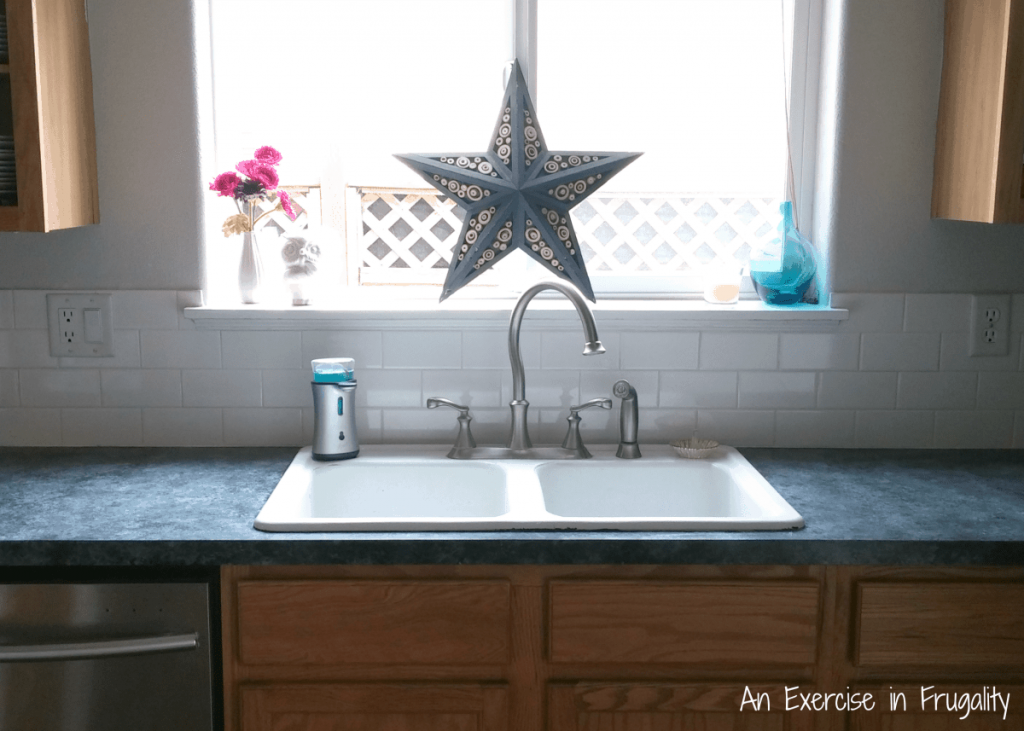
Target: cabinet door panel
750,623
365,622
374,707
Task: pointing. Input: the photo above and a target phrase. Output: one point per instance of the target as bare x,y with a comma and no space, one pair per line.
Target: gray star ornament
517,194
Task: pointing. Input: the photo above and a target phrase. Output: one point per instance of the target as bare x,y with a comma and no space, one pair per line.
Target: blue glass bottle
783,271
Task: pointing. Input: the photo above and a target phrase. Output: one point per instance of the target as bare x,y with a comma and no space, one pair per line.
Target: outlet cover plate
990,335
78,303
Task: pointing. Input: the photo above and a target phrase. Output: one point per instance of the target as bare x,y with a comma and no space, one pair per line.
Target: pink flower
268,155
286,204
259,171
225,184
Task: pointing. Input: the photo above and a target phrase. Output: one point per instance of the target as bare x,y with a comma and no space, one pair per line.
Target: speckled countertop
191,507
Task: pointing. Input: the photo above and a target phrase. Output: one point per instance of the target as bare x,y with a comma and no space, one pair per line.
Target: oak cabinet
979,144
46,108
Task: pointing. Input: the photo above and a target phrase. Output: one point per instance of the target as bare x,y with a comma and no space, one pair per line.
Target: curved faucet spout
519,438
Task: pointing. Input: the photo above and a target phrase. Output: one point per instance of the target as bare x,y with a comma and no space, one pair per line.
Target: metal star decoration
518,194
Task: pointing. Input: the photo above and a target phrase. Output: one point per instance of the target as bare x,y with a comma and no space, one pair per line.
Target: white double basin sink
416,488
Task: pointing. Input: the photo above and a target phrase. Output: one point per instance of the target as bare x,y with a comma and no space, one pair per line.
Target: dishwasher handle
99,648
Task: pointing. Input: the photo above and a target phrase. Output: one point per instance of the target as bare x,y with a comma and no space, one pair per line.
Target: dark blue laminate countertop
191,507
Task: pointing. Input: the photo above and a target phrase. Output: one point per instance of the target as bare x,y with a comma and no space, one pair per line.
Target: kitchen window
698,86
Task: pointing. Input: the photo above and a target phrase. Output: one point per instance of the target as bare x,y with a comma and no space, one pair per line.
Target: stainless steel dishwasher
91,656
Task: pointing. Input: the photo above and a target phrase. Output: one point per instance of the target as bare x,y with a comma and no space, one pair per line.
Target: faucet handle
603,403
465,437
573,441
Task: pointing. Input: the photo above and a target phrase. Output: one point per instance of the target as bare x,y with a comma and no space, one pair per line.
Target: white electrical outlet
990,324
81,325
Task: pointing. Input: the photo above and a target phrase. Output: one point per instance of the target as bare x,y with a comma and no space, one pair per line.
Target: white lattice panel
407,229
306,203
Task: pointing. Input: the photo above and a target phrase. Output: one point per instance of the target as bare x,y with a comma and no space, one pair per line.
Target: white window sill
616,314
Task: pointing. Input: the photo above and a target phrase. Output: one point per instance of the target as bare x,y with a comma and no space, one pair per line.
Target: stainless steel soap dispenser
334,409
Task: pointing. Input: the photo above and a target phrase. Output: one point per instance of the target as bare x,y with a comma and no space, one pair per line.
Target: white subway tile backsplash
144,310
870,312
814,428
936,313
30,427
546,389
662,350
737,428
263,427
895,429
141,387
942,390
221,388
25,349
564,349
1001,390
126,354
662,426
598,384
489,349
30,309
703,390
6,309
739,351
192,427
422,349
856,390
50,387
974,429
261,349
362,346
383,388
819,352
180,349
101,427
476,389
899,352
769,390
955,355
288,388
9,388
187,298
439,426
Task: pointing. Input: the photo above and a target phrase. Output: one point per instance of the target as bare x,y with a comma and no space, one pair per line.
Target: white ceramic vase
250,270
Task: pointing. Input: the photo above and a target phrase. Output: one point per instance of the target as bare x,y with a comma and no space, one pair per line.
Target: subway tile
942,390
870,312
894,429
954,355
899,352
661,350
663,426
101,427
187,298
737,428
1001,390
9,388
476,389
151,309
180,349
288,387
30,309
933,313
546,388
702,390
974,429
26,349
856,390
6,309
141,387
263,427
434,426
834,429
383,388
739,351
561,349
182,427
599,384
50,387
221,388
368,423
489,349
126,354
819,352
422,349
261,349
777,390
30,427
363,346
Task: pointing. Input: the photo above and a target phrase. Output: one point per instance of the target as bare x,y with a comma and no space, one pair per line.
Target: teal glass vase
783,270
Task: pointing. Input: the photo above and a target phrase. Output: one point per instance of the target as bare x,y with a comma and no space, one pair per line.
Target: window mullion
524,41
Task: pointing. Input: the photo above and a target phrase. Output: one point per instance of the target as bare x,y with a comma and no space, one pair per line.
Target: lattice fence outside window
306,201
406,235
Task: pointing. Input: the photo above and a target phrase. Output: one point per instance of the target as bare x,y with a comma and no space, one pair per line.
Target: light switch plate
81,325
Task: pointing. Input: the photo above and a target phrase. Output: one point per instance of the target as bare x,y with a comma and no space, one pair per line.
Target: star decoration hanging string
517,194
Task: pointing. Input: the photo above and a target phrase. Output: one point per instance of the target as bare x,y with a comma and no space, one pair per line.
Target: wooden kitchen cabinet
46,104
575,648
979,145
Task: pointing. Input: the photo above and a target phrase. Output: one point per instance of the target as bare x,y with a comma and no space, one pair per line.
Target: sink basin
393,488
